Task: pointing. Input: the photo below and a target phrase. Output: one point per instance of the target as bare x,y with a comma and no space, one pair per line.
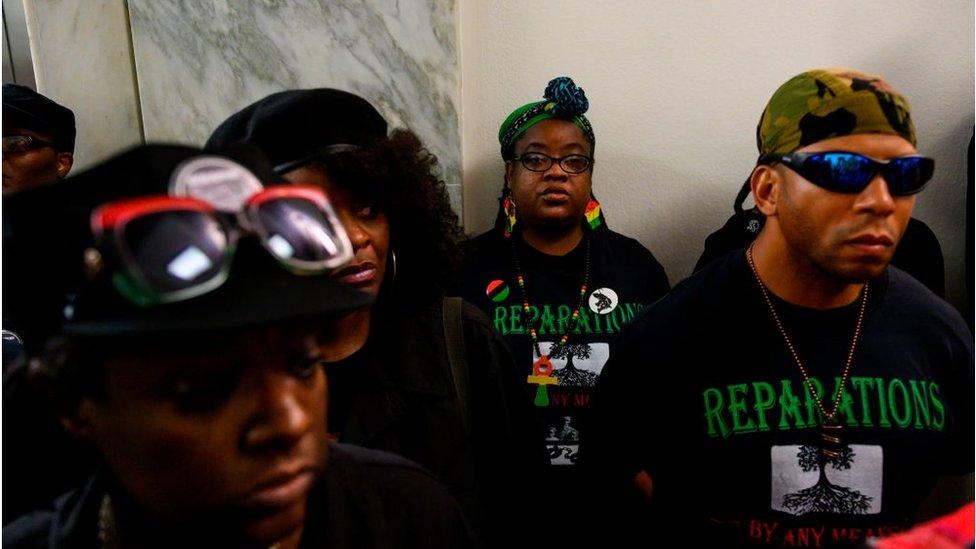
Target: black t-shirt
364,499
703,394
624,278
346,378
398,394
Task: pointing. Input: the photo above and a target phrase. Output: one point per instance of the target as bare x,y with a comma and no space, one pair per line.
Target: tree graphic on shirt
570,374
824,496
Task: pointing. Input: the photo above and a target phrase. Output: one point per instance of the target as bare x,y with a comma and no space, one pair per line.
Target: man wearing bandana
801,392
557,283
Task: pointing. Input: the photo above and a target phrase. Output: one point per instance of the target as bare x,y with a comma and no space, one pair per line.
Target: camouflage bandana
825,103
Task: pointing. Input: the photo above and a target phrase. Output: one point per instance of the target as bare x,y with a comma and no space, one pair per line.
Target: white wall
676,89
83,60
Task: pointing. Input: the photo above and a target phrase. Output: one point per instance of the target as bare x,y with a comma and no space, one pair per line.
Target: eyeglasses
167,249
16,144
847,172
538,162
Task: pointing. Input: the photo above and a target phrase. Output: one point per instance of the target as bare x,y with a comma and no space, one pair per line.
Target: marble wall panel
198,62
82,58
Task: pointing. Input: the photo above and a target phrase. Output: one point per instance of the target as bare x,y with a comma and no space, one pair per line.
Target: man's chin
860,272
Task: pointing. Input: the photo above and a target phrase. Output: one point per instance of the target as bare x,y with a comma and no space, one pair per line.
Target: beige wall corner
83,59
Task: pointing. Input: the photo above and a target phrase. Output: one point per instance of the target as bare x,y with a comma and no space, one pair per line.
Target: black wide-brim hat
46,232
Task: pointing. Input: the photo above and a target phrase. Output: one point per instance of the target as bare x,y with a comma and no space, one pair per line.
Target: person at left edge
38,139
557,283
38,149
188,358
395,386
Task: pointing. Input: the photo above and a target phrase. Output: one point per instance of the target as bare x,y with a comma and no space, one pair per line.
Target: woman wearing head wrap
558,284
394,383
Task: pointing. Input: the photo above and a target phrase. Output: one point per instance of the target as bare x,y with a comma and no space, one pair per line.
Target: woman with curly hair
415,373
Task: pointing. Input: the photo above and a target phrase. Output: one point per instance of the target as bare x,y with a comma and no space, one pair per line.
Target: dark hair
398,175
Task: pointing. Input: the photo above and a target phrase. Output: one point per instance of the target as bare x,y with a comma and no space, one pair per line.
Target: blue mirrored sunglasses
847,172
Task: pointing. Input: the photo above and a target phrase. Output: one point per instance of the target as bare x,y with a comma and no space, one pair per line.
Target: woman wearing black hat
189,358
414,374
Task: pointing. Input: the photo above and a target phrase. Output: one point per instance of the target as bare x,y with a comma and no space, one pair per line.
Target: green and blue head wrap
562,99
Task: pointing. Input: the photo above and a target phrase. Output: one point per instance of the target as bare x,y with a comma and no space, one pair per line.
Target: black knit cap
295,127
46,233
26,109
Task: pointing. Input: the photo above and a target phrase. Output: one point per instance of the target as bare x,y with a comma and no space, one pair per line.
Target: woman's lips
555,195
282,491
358,274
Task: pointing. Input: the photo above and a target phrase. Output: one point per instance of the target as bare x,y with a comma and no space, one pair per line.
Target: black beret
26,109
296,126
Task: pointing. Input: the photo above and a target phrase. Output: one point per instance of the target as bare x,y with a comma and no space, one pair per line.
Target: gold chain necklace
106,523
829,429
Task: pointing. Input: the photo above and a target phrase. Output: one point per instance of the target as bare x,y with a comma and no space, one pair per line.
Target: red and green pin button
497,290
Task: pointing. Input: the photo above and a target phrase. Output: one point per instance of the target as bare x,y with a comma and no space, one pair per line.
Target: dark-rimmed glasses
538,162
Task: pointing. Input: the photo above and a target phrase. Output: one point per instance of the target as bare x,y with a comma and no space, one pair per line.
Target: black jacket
365,499
405,402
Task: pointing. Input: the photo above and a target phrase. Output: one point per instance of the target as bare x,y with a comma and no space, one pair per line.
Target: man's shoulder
633,261
702,296
913,300
629,248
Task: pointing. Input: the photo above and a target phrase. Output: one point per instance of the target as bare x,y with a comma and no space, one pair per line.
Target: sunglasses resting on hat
163,249
848,172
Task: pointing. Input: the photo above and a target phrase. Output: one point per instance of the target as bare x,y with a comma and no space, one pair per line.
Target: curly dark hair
398,175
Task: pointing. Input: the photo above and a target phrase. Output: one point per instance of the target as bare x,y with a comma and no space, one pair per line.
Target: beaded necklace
830,430
542,369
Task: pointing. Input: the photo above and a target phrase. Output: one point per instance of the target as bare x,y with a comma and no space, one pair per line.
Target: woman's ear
73,411
766,184
509,173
